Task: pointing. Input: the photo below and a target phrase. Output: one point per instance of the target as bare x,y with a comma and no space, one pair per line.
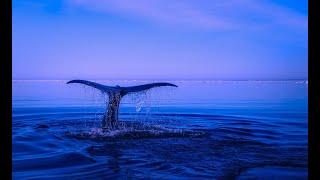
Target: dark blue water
200,130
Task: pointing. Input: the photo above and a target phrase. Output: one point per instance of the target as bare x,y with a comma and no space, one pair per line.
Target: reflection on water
205,129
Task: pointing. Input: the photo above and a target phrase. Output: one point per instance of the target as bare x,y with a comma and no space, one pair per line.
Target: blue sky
160,39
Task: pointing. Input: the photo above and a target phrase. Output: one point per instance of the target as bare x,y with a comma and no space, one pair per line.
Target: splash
133,131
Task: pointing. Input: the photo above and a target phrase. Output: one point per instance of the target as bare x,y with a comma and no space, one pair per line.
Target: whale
115,93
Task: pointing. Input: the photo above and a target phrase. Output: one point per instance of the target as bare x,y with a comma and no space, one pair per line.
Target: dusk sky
160,39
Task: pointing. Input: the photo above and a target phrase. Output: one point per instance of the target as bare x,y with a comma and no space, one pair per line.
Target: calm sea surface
200,130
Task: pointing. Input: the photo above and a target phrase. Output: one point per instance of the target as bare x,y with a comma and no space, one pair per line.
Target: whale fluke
93,84
115,93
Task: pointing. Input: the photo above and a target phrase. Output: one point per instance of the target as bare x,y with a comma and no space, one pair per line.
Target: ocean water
200,130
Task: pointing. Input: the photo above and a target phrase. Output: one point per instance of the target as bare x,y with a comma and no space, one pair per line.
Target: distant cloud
209,14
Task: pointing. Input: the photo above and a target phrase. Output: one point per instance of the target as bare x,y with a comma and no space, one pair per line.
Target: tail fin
111,117
94,85
123,90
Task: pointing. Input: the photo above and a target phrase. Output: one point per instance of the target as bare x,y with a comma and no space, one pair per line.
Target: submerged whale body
115,94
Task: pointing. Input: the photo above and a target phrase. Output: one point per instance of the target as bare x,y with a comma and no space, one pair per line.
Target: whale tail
115,94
